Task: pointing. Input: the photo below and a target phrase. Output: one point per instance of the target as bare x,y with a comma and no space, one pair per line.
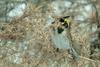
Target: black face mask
62,21
65,25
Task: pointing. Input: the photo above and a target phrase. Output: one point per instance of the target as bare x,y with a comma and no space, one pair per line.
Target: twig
88,59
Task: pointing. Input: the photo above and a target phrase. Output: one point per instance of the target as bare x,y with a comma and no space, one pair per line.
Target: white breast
61,41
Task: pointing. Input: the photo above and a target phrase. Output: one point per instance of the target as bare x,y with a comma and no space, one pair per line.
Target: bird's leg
57,49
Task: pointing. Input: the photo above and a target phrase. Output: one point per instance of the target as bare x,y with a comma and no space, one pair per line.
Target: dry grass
30,28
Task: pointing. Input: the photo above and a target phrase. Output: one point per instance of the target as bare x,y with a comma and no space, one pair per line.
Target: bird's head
65,21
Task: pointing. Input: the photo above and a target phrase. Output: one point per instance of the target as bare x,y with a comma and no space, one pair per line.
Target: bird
60,34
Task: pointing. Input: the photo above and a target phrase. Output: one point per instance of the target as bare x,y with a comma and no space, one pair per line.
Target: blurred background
25,40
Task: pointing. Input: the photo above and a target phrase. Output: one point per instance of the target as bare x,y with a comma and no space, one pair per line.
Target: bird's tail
73,53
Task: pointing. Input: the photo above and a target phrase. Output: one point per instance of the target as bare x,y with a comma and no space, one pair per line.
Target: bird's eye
61,20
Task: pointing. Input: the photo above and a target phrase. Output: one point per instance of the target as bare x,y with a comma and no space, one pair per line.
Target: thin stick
88,59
